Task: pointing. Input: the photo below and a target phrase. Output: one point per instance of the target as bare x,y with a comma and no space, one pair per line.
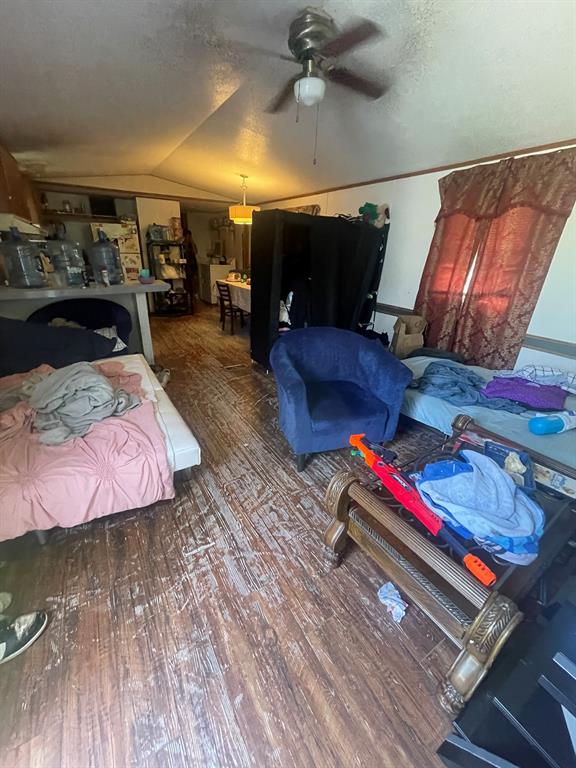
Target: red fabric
504,220
510,271
441,289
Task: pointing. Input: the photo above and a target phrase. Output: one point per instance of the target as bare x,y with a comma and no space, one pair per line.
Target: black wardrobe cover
329,261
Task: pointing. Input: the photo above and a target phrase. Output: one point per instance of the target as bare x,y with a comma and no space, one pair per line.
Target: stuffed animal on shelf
378,215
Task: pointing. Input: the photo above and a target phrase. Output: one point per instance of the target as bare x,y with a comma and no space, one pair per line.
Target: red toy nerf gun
404,492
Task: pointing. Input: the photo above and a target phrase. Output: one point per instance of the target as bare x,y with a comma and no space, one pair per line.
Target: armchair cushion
344,407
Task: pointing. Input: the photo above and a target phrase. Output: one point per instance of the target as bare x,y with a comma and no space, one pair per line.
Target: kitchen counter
93,291
20,303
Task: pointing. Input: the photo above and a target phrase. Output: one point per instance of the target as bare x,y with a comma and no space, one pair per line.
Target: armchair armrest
294,414
384,375
386,378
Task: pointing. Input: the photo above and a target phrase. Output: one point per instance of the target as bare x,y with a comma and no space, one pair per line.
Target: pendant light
242,214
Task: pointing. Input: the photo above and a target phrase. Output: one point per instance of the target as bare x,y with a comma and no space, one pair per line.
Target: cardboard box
408,334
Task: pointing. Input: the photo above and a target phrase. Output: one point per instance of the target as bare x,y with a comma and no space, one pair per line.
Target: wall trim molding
434,169
55,186
552,346
391,309
538,343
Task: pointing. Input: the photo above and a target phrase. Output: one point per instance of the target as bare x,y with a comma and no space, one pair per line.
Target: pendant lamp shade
242,213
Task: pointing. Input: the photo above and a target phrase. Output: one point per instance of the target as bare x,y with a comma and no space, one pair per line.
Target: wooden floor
206,631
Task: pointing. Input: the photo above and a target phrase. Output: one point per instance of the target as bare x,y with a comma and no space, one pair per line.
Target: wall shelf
63,216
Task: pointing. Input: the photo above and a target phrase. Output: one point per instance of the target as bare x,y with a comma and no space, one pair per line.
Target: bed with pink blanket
121,463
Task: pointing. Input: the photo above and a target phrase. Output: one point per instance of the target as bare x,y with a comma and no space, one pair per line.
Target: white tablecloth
240,293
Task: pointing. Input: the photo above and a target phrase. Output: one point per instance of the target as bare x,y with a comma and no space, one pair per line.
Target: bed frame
477,619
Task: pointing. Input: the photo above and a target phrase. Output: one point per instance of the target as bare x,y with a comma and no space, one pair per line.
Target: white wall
154,211
199,225
414,203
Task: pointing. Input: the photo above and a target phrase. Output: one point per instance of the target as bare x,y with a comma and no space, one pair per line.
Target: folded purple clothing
538,396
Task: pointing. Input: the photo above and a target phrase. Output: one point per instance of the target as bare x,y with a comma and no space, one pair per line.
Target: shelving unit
173,270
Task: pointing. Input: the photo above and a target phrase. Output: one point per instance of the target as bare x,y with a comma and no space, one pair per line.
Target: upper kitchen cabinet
16,195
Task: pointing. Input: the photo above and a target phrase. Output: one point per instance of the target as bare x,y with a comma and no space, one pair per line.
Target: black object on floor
517,713
456,752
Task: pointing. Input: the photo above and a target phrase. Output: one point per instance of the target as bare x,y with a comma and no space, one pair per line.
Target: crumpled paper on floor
390,597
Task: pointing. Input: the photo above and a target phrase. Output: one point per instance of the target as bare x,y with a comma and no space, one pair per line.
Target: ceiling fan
315,42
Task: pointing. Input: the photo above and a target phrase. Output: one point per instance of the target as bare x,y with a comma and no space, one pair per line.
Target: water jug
22,263
105,261
67,260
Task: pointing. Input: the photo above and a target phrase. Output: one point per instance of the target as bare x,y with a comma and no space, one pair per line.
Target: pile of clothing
66,402
537,387
531,388
480,501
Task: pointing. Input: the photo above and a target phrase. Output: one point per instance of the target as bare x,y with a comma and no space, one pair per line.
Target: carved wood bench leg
337,504
482,643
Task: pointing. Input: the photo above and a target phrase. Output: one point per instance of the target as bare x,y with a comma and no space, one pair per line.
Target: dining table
240,293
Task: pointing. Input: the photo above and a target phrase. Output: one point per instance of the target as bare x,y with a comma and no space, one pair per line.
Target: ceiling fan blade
236,45
282,99
348,79
360,32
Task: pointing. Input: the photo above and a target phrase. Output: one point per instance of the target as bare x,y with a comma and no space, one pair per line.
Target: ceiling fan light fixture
242,213
309,90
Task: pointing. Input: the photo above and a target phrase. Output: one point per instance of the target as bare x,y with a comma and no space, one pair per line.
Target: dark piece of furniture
477,619
457,752
524,710
331,265
25,345
333,383
167,261
91,313
227,308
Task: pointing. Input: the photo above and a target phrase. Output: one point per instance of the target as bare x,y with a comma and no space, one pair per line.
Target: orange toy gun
404,492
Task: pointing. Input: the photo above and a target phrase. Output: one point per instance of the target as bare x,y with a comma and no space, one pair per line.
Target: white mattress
439,414
182,446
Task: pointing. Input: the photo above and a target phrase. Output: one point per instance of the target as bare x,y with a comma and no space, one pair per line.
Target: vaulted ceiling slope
119,87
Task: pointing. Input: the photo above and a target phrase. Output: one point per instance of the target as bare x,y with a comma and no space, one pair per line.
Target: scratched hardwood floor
205,631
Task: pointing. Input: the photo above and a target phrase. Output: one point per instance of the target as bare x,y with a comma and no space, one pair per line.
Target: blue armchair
334,383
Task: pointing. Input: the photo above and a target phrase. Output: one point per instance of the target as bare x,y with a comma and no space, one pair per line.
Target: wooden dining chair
227,308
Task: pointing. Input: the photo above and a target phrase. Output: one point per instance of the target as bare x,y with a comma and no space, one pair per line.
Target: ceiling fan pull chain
316,133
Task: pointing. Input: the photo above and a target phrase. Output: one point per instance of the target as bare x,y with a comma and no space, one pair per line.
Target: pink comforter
120,464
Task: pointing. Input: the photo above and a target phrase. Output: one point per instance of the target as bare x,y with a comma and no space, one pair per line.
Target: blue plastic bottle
550,425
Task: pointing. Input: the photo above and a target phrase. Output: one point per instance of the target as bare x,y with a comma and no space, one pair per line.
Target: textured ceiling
119,87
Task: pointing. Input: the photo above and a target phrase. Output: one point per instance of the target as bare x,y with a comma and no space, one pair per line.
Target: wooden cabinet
15,189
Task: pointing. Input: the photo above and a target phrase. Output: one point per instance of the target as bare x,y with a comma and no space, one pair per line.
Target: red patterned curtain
495,237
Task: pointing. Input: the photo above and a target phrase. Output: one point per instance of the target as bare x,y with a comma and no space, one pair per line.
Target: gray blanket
14,394
68,401
460,386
